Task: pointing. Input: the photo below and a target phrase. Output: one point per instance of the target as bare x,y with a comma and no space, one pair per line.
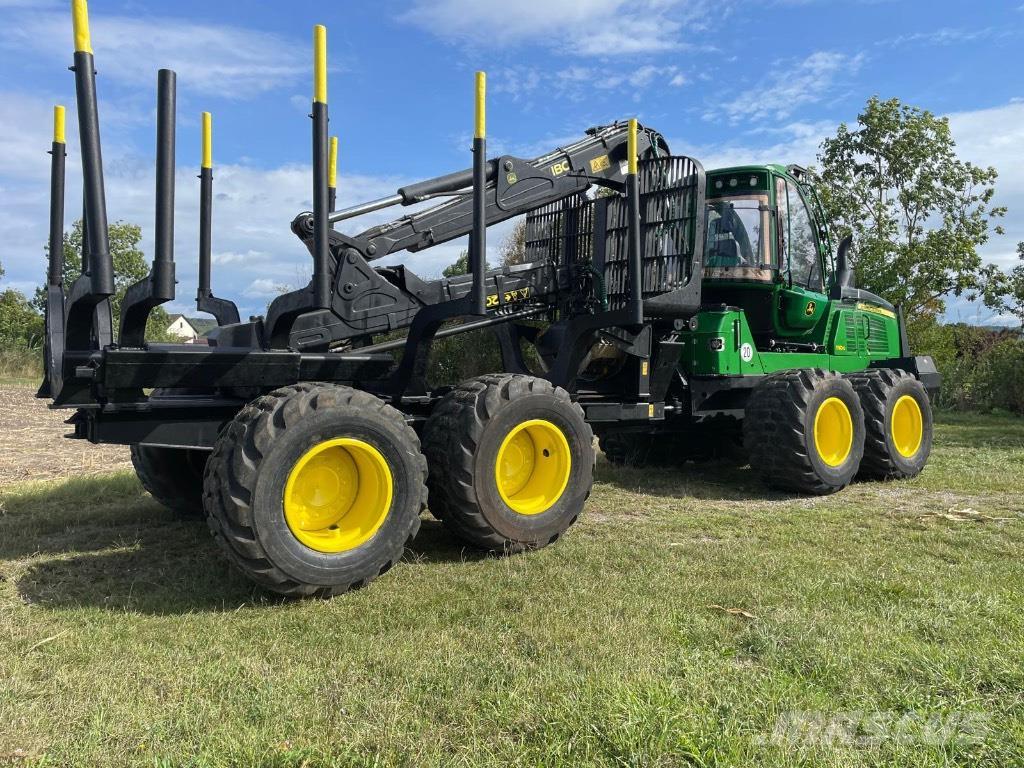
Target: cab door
802,298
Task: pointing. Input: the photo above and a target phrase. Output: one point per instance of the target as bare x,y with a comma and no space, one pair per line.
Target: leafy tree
513,250
1016,287
130,266
461,266
464,355
918,212
21,327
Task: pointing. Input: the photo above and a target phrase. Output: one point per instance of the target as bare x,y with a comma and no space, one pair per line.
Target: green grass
126,640
20,364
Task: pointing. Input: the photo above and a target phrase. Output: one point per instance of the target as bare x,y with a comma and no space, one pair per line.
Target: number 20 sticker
747,353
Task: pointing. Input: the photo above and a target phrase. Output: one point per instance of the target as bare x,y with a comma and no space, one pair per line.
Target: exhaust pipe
844,273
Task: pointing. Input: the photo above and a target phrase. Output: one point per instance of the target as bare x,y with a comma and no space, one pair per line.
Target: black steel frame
106,382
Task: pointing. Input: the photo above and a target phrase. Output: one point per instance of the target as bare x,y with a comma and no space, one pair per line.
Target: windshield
737,246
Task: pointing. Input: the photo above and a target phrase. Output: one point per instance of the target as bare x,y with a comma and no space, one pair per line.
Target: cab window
737,245
798,240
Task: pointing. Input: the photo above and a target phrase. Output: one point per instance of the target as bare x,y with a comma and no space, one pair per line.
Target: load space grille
878,338
854,334
593,233
866,334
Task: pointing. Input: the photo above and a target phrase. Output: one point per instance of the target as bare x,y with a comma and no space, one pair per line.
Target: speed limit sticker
747,353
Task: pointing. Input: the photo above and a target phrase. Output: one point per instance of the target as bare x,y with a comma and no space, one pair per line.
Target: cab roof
774,167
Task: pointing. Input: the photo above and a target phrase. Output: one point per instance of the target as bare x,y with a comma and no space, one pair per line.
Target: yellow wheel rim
907,427
338,495
833,432
533,467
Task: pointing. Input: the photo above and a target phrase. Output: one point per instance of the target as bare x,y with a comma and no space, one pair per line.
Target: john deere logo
809,309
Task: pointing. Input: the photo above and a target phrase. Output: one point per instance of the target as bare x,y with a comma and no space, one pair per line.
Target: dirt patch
33,446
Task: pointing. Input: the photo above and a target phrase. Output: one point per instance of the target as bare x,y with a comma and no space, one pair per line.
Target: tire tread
773,433
450,442
232,471
874,387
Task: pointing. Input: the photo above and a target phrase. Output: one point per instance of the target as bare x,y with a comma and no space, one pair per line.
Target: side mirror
844,273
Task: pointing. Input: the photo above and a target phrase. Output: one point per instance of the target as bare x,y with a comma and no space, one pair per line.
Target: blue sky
726,81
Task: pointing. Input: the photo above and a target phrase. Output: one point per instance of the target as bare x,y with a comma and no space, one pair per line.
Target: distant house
191,330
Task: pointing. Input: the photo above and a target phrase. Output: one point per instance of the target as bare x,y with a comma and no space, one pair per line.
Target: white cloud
796,143
995,137
579,83
228,61
943,36
233,257
263,288
586,27
792,84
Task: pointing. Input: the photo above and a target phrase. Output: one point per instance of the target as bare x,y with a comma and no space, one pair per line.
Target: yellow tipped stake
332,171
321,173
80,20
224,311
478,237
320,64
59,132
100,267
56,258
207,140
634,160
635,271
332,176
481,105
53,352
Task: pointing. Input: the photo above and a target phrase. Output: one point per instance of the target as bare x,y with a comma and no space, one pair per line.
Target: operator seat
724,252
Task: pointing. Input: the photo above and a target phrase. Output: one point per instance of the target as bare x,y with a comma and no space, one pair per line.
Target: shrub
982,368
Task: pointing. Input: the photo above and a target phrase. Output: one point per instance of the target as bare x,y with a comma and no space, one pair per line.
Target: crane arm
515,186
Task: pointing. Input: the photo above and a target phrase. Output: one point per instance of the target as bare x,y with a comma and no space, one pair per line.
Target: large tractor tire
804,431
173,476
315,489
511,462
898,423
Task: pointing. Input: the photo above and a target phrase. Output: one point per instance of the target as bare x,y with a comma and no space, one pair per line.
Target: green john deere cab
812,375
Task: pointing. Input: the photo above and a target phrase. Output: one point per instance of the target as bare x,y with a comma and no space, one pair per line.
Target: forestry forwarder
674,310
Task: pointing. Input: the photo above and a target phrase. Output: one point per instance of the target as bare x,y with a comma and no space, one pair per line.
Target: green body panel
850,334
852,337
717,347
800,309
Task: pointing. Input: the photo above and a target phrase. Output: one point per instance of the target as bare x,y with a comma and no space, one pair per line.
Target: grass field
688,618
